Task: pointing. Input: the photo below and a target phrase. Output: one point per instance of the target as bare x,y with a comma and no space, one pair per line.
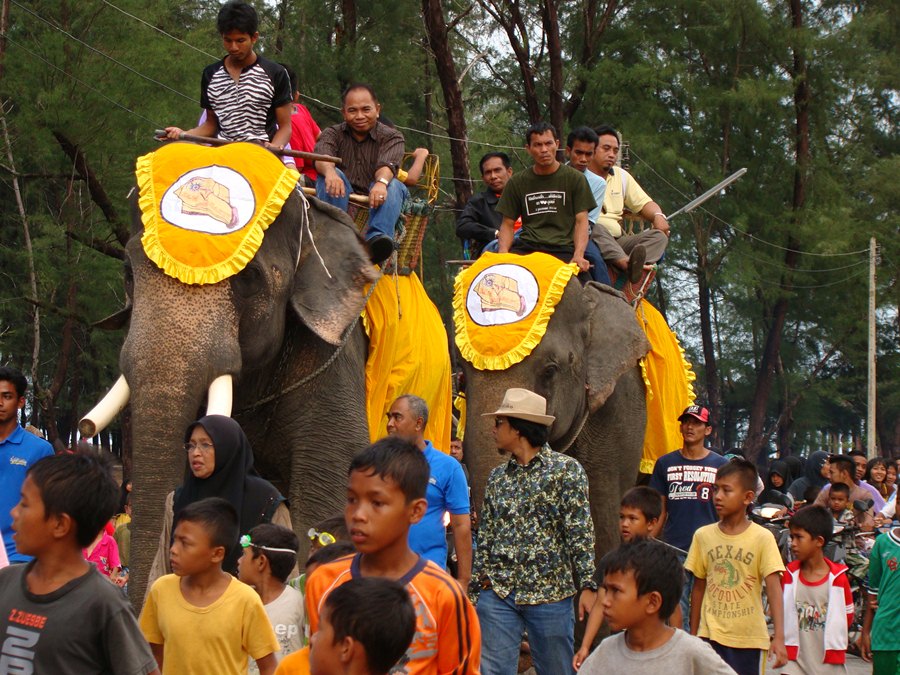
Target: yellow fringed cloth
502,304
205,209
407,355
669,378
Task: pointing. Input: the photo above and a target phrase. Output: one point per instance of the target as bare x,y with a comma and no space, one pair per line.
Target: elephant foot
381,247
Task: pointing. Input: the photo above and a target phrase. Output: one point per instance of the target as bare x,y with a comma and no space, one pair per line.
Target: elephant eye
248,282
550,371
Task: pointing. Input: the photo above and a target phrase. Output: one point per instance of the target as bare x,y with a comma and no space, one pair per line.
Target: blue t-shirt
687,485
447,491
598,189
17,453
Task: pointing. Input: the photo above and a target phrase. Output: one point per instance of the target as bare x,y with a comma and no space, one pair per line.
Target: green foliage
699,89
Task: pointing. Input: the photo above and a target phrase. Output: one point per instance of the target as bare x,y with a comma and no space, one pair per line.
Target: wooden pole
160,135
871,432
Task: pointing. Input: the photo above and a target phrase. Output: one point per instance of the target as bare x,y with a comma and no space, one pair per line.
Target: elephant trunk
181,340
480,449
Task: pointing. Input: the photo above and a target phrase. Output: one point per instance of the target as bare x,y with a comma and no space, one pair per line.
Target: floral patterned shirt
536,530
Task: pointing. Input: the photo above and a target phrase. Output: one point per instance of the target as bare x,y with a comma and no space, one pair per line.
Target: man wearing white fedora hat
535,547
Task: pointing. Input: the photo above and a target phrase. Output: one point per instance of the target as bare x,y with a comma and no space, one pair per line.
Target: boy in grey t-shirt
642,583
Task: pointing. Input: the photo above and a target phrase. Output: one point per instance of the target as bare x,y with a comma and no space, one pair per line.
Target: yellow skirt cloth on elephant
408,354
669,377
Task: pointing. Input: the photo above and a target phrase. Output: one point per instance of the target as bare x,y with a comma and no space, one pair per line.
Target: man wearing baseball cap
685,478
535,546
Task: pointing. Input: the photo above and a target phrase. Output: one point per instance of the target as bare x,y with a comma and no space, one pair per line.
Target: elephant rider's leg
630,262
341,202
383,220
654,241
598,265
563,253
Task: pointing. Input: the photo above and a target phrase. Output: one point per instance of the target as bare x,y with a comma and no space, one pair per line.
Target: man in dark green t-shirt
553,201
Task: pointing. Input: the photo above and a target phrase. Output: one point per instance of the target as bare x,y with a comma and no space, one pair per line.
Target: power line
158,30
737,229
805,270
82,82
793,287
97,51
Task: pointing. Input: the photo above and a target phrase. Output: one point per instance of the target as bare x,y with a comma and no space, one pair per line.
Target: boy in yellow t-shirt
730,561
201,619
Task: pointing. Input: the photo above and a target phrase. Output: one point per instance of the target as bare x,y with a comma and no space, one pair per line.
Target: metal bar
690,206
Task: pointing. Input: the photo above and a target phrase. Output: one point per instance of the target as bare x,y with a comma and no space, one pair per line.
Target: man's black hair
645,499
607,130
397,459
267,536
858,453
80,485
839,487
336,526
845,464
539,128
359,85
817,520
218,519
583,134
359,609
292,76
502,156
743,469
239,16
16,378
331,552
655,567
536,434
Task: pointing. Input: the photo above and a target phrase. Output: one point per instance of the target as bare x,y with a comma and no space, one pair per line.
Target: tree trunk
436,29
755,440
550,14
711,370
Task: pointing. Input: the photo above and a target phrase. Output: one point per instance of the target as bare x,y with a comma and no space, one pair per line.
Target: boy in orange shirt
385,495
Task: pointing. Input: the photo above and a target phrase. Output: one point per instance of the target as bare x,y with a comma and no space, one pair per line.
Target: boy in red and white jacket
818,603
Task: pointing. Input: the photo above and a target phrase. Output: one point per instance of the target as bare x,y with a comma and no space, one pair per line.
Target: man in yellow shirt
623,191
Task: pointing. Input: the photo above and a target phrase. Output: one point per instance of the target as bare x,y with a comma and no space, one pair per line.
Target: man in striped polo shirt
246,97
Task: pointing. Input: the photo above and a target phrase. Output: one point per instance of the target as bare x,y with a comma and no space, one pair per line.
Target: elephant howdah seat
410,229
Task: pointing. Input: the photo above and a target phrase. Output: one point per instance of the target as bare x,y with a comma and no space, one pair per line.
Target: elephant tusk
219,398
104,412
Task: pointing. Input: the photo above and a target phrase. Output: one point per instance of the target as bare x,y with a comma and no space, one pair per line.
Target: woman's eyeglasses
324,538
202,447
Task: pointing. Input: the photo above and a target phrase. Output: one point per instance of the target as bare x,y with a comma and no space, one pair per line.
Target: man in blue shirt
18,451
447,491
686,479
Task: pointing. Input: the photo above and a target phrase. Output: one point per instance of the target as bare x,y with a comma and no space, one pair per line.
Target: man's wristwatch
384,181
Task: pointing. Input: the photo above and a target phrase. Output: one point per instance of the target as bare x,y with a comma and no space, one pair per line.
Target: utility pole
871,432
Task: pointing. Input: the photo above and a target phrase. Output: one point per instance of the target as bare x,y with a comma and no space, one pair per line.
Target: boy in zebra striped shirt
245,96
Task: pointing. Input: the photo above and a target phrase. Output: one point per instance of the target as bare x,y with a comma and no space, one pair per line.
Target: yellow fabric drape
407,355
502,304
669,377
460,404
205,209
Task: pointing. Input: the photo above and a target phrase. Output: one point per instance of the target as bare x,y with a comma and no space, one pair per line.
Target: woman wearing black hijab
777,482
220,464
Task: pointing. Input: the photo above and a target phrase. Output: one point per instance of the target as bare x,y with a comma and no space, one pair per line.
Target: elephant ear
332,272
616,341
